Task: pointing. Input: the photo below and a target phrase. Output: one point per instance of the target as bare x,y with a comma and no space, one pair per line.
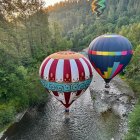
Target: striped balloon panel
66,70
66,92
67,98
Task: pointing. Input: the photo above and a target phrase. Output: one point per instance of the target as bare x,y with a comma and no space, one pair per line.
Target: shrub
7,114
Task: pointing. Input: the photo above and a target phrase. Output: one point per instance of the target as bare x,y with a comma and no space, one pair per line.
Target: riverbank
19,116
118,99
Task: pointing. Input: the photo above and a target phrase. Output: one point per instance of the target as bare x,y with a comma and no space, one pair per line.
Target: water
51,123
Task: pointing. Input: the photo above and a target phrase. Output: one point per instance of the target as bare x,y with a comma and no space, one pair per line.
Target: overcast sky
51,2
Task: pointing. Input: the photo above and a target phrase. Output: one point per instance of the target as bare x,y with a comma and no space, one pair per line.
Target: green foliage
134,125
81,26
58,42
132,75
6,114
25,42
132,32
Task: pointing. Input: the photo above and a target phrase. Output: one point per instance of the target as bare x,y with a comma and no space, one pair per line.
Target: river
85,121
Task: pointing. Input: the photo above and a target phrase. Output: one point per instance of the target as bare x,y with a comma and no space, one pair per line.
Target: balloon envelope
109,55
98,6
66,75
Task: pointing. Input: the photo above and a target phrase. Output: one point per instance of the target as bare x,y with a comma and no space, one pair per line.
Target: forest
29,32
26,38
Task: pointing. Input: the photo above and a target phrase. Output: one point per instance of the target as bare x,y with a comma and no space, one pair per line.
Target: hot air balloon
98,6
66,75
109,55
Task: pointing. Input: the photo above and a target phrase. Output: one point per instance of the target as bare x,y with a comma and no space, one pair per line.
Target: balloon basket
67,115
107,85
67,110
107,88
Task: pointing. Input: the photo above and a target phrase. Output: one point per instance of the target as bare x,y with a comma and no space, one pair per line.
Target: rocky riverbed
118,99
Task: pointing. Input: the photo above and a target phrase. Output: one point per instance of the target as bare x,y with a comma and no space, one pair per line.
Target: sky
51,2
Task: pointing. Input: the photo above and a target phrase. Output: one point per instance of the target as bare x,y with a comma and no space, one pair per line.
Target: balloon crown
66,55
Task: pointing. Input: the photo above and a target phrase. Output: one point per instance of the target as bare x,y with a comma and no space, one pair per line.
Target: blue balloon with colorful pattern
109,55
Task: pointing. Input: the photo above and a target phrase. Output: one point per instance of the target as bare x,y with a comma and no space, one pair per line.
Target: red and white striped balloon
66,75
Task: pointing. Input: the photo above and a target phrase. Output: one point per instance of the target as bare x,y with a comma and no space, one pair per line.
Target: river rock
19,116
124,99
120,110
101,107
